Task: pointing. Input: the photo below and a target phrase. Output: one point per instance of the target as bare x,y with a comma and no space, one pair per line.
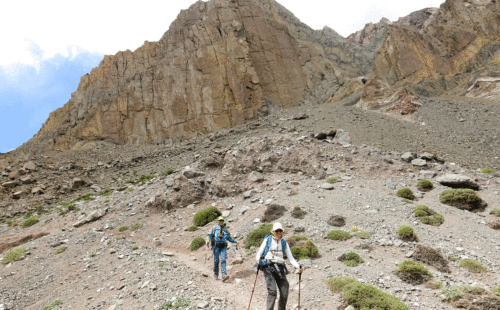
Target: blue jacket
215,235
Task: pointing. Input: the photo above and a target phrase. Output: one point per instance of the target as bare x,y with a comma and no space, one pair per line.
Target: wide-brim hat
220,218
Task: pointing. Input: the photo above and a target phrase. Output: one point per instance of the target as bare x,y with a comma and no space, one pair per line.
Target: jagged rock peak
220,64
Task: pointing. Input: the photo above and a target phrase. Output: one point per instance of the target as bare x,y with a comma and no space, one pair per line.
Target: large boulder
95,215
457,181
342,137
191,173
255,177
30,166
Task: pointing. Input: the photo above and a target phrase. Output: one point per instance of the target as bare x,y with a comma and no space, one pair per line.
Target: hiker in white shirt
271,257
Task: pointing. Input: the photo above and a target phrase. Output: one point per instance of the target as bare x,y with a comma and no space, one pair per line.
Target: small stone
327,186
256,177
419,162
167,254
31,166
202,305
408,156
156,242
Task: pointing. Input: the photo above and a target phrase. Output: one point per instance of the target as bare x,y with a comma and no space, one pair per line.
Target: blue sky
48,45
29,93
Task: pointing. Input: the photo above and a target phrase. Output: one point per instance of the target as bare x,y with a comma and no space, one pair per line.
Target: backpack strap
283,248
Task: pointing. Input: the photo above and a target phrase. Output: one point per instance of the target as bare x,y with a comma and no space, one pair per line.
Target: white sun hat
277,226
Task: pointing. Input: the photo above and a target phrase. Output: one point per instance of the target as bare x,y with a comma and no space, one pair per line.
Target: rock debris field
119,238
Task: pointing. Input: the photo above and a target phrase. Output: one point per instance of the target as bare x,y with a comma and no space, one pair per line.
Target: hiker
271,257
218,238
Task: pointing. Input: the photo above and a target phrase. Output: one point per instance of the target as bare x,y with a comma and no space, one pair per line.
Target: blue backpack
268,239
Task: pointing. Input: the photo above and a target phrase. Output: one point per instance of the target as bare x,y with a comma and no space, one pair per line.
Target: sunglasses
279,231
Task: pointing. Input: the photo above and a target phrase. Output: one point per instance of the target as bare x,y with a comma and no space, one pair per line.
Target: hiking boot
216,277
224,279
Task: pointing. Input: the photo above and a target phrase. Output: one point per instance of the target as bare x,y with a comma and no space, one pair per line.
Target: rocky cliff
438,54
221,63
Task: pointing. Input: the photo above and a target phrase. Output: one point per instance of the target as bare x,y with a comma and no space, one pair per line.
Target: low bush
106,193
364,296
406,233
135,247
135,226
425,185
332,180
435,285
342,170
175,304
123,228
351,259
452,293
362,235
85,198
193,228
487,170
298,213
412,272
60,249
256,237
466,199
202,217
338,234
168,172
10,223
128,190
405,193
428,216
407,200
302,247
145,178
53,305
495,212
92,255
197,243
430,256
31,221
14,255
472,265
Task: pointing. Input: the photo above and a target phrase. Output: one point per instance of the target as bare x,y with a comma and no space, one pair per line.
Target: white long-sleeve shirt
275,253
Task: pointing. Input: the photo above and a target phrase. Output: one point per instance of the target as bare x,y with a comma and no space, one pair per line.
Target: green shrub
362,235
145,178
351,259
364,296
168,172
123,228
452,293
256,237
197,243
461,198
406,233
302,247
175,304
193,228
135,247
128,190
31,221
453,258
53,305
407,201
343,170
86,198
107,201
425,184
495,212
106,192
135,226
296,208
14,255
331,180
202,217
10,223
472,265
405,193
60,249
92,255
428,216
412,272
338,234
496,290
27,215
161,264
487,170
435,285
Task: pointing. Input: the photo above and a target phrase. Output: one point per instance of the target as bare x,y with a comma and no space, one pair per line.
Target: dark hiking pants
273,278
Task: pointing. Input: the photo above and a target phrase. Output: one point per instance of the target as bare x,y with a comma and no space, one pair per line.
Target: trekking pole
256,275
300,280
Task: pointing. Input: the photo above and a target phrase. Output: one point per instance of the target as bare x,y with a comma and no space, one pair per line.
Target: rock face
220,64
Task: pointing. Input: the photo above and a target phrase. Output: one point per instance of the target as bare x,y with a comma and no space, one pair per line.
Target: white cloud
106,27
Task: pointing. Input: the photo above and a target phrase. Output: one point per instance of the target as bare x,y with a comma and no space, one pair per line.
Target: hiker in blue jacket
271,257
218,238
